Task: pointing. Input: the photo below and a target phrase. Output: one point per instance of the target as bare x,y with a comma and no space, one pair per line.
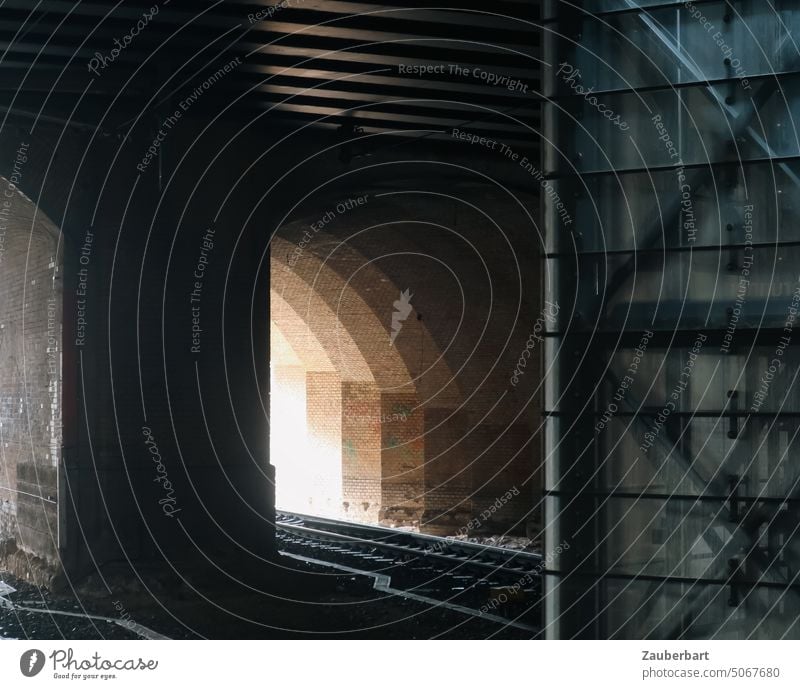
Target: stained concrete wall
30,381
162,457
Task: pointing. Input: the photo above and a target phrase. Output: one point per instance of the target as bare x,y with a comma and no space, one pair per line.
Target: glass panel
661,128
676,45
699,381
657,610
697,456
696,290
689,290
666,423
687,471
552,7
757,203
609,5
675,539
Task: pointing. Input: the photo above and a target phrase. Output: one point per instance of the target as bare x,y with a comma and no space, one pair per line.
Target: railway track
500,585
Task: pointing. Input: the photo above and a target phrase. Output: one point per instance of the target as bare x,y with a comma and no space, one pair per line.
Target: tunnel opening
392,399
331,373
305,439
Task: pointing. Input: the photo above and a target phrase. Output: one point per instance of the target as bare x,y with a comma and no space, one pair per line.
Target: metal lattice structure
673,412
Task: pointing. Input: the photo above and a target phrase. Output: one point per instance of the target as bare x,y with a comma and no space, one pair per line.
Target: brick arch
280,347
473,438
345,404
346,324
453,201
466,444
363,297
293,337
481,447
381,420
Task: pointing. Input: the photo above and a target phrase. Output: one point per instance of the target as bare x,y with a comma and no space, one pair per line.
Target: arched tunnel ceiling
281,350
302,309
293,342
459,262
348,302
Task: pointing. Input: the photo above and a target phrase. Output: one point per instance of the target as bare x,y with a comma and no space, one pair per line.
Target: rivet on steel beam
733,429
734,570
733,497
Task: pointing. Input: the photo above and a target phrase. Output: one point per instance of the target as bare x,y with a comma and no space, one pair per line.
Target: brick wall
505,461
402,459
361,451
30,376
448,470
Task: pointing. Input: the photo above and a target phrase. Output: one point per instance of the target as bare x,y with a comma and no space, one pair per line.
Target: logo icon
31,662
402,309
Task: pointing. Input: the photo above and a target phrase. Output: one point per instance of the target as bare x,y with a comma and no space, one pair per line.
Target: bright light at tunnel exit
308,475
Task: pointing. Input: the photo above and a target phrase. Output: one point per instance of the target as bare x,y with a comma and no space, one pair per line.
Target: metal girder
737,540
179,12
697,75
699,178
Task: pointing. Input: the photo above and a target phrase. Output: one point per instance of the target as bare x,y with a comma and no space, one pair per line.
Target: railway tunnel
396,334
232,284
